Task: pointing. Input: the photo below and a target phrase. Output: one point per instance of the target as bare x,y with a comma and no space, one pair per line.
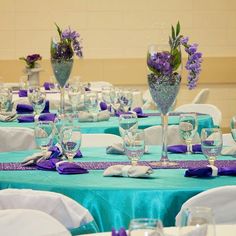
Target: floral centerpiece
164,75
32,68
62,52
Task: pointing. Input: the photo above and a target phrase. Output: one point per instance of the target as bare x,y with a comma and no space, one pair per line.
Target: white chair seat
222,200
25,222
202,96
228,140
99,140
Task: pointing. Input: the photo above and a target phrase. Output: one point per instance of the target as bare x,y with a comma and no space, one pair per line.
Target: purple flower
69,34
31,60
184,40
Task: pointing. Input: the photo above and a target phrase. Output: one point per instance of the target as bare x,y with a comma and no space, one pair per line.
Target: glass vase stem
164,156
62,100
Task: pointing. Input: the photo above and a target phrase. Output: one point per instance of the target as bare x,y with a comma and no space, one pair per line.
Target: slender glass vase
62,69
164,89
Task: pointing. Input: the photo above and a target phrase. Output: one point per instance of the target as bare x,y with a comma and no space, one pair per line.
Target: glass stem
62,101
189,148
164,156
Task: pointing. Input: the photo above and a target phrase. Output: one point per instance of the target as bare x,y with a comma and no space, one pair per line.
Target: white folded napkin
118,148
91,117
229,151
128,171
35,158
7,116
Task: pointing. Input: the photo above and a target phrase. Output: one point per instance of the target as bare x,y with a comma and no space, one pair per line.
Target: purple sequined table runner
104,165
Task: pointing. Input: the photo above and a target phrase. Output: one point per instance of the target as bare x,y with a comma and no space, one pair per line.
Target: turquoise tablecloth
113,201
111,126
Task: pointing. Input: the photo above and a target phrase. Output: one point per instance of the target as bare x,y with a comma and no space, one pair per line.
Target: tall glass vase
164,88
62,69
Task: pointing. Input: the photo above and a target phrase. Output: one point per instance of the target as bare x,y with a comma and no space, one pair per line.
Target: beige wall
116,34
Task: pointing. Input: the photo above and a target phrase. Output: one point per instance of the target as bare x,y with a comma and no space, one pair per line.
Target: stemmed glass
108,95
233,127
146,227
127,122
37,99
5,99
125,99
134,145
44,133
74,94
70,140
211,143
197,221
187,128
91,101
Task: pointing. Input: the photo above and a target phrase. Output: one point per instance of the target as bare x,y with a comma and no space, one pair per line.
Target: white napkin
118,148
91,117
229,151
128,171
7,116
35,158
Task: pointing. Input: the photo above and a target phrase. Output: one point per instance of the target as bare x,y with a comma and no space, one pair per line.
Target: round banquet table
114,201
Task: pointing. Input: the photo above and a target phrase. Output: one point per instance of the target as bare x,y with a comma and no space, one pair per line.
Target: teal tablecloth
113,201
112,125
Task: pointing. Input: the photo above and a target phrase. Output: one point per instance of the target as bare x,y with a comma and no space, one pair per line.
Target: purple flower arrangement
31,60
166,63
68,45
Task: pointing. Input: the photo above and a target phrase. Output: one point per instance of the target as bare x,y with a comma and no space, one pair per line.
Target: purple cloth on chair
26,108
207,172
42,117
22,93
70,168
48,85
196,148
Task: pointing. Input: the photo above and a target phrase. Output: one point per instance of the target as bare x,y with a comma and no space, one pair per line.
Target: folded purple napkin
22,93
103,106
65,167
49,164
48,85
210,171
121,232
57,151
42,117
138,111
26,108
196,148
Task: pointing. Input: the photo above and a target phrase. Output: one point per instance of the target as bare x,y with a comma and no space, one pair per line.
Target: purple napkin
196,148
69,168
121,232
103,106
26,108
138,111
42,117
208,172
22,93
48,85
49,164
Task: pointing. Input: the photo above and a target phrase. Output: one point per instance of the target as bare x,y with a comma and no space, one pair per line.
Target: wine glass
197,221
44,134
146,227
188,128
134,145
70,140
233,127
5,99
127,122
211,143
74,94
91,101
125,98
108,95
37,99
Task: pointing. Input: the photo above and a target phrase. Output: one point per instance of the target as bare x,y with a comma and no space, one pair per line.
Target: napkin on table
229,151
128,171
90,117
121,232
65,167
118,148
22,93
196,148
210,171
26,108
7,116
42,117
48,85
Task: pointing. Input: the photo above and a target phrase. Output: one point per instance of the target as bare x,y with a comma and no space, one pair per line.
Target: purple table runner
104,165
171,114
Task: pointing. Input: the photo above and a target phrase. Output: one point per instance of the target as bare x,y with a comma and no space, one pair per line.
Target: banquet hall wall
115,36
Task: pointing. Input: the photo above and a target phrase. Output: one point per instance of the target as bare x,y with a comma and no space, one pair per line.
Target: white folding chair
222,200
228,140
201,97
27,222
67,211
16,139
99,140
153,136
209,109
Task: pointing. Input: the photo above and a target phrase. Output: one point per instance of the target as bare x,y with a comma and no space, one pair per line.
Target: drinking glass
108,95
70,140
74,94
134,145
197,221
37,99
5,99
145,227
127,122
91,101
44,133
233,127
125,98
188,128
211,143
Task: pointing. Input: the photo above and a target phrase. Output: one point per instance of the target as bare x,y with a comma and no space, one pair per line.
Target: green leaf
173,32
176,55
177,29
59,30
